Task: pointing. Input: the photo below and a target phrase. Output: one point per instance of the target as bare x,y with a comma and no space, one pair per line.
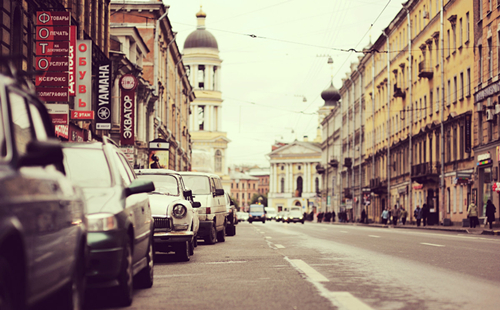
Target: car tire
250,221
263,221
182,251
126,277
145,278
211,238
221,235
191,247
7,293
195,241
302,222
231,230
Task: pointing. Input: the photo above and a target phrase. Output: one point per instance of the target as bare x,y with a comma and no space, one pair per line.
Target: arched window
299,187
316,185
218,161
282,185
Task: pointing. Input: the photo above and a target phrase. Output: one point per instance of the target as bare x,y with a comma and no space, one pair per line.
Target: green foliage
255,199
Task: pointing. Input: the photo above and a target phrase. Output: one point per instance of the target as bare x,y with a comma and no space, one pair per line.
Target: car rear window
87,167
197,183
164,184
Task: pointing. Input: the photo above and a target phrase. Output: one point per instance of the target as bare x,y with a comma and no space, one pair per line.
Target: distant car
119,218
271,213
176,222
232,217
257,213
42,221
279,216
242,216
294,216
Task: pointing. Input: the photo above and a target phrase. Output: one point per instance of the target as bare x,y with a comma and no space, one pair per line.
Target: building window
455,136
480,127
237,185
448,97
201,117
299,167
431,97
242,195
425,107
253,185
242,185
218,161
461,86
467,27
480,64
460,33
437,99
490,59
232,185
201,76
448,42
454,29
462,142
282,168
237,196
448,146
469,82
282,185
455,91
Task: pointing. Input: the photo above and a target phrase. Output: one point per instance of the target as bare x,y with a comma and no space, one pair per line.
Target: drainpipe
410,147
155,69
388,122
441,207
360,138
166,79
373,121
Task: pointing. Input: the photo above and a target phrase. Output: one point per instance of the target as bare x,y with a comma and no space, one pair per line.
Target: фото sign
83,98
128,84
103,107
49,18
52,48
49,33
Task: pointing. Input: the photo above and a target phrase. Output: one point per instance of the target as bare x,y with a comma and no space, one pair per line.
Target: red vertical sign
128,84
72,61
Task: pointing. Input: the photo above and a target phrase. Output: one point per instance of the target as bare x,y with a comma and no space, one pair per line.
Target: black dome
331,95
201,38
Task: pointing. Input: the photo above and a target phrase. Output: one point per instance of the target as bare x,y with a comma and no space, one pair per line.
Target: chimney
306,139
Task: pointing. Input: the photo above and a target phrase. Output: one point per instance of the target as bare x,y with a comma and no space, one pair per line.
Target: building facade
243,188
294,181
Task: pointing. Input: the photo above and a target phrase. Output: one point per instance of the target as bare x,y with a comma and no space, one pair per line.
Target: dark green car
119,218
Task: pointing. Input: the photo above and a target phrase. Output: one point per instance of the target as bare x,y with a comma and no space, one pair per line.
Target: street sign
128,85
49,18
84,75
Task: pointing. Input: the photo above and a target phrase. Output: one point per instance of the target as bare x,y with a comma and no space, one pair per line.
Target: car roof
154,171
85,145
198,173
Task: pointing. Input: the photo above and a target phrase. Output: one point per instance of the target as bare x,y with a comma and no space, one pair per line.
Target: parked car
271,213
242,216
176,221
119,217
42,219
279,216
207,189
257,213
294,216
232,216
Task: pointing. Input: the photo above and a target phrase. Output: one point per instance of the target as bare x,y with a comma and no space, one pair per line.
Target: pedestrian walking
395,215
333,216
363,216
418,215
385,216
490,213
404,215
424,213
472,214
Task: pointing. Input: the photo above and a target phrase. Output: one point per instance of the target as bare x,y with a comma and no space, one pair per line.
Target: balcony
347,162
426,172
425,71
320,169
398,92
377,187
334,163
347,193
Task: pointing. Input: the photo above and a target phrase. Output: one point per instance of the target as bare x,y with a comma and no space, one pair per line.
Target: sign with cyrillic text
128,84
83,97
103,106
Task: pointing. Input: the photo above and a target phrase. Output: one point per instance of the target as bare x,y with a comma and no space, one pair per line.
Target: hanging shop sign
128,84
57,18
52,48
103,107
83,98
418,186
158,154
58,113
82,114
61,131
72,62
496,187
484,159
52,79
50,33
52,94
468,133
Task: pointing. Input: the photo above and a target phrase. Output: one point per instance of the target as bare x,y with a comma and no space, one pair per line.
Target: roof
242,176
201,38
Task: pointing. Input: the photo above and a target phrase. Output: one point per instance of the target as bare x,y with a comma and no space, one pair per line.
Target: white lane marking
279,246
340,300
373,236
308,270
262,232
268,237
348,301
432,244
228,262
343,231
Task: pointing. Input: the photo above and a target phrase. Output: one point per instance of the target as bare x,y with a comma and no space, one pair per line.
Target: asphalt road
322,266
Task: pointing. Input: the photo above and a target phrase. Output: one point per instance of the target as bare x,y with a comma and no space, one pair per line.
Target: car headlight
101,222
179,211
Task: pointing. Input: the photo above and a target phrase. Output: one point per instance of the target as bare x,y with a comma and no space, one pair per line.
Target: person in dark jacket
363,216
425,213
333,216
490,213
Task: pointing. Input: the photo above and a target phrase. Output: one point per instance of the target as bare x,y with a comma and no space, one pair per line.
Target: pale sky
265,79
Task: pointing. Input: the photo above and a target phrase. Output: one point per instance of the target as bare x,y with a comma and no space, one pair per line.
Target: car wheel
126,277
221,235
211,238
182,251
302,222
231,230
250,221
6,291
191,247
195,241
263,221
144,278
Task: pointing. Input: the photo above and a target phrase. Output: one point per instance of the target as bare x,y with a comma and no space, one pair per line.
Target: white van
207,189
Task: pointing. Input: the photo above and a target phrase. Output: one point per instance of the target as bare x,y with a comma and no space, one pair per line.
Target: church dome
331,95
201,37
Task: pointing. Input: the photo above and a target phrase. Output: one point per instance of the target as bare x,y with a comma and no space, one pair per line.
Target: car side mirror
196,204
139,186
42,153
188,193
219,192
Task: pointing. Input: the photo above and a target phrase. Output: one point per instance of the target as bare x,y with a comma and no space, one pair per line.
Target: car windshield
200,185
295,213
257,208
87,167
164,184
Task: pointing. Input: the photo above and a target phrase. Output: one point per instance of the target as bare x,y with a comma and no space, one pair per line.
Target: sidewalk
479,230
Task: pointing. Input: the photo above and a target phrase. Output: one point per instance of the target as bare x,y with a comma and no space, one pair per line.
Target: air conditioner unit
426,14
497,109
479,107
490,116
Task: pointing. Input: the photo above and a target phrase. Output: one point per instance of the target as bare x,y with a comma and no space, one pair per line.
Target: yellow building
414,92
294,181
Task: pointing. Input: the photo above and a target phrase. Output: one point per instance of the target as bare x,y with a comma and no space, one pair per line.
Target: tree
235,202
255,199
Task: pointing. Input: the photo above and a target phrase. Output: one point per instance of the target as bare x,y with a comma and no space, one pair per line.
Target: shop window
448,200
218,161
